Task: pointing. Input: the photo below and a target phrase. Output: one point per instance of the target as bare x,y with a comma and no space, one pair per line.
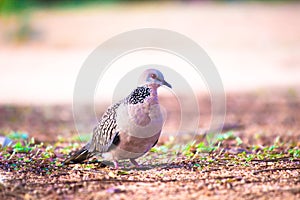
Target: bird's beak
166,84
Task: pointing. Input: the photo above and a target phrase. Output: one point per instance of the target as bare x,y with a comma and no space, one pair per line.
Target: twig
228,177
275,159
211,170
275,169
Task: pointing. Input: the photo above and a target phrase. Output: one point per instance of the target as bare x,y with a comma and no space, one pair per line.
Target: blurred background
255,46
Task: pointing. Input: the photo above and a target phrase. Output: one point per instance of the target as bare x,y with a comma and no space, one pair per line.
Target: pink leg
132,160
116,164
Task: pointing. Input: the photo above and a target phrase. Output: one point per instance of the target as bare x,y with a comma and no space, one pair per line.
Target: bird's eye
153,76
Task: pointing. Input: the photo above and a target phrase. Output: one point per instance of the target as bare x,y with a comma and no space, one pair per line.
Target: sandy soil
258,119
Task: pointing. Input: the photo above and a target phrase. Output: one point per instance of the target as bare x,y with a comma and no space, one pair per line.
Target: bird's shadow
127,167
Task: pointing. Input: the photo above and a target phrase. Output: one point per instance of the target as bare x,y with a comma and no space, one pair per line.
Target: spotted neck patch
138,95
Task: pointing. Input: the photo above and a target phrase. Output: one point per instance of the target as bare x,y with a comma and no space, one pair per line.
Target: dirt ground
257,119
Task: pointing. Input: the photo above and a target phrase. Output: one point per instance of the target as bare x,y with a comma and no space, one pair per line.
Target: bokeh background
255,46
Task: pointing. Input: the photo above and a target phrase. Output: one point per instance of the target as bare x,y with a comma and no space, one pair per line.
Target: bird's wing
105,132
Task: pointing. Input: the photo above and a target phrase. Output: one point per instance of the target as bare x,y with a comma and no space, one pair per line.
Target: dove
129,128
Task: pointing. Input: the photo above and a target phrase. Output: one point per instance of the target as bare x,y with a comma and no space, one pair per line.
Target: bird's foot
116,164
133,161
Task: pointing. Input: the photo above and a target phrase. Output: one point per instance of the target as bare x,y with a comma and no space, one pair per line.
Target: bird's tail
79,156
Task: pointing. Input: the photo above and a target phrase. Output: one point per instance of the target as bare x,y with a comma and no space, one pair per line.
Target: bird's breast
140,120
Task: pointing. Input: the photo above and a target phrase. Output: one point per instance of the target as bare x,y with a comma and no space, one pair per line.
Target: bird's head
153,77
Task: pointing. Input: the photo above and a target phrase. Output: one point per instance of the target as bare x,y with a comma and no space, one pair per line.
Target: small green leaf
121,172
238,140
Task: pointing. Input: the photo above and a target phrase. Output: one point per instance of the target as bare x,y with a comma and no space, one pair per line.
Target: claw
132,160
116,164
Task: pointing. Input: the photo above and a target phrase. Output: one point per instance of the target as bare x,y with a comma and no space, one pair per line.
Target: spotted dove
129,128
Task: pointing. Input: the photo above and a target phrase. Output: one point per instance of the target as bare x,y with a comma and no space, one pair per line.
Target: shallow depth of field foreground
255,47
257,156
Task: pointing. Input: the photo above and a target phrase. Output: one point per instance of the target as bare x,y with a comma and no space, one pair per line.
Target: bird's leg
116,164
132,160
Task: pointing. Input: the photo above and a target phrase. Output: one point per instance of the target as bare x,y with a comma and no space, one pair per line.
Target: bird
129,128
